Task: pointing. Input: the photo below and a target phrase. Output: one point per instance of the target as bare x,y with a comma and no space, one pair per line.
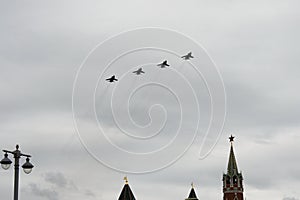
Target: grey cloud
59,181
56,178
290,198
56,186
37,190
89,193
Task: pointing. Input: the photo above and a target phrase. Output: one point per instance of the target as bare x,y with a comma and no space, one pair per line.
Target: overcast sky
49,47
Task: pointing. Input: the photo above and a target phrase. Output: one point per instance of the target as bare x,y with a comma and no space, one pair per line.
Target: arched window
228,180
235,180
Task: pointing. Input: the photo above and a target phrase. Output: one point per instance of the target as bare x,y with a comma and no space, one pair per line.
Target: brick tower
233,179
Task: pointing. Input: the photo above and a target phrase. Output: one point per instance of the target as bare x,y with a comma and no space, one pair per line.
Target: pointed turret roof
232,166
192,195
126,193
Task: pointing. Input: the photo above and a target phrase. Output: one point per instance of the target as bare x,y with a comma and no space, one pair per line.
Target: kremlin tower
233,180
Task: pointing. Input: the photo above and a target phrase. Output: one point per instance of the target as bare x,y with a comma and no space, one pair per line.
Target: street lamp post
6,162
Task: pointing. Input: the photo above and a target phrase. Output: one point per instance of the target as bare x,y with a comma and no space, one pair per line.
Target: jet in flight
139,71
187,56
164,64
112,79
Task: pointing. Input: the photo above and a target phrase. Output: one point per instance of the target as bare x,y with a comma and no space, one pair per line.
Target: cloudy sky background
253,43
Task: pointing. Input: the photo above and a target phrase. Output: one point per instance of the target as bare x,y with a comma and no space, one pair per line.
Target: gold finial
192,184
125,179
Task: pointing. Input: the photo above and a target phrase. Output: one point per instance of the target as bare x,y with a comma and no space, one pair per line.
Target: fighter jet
112,79
139,71
163,64
187,56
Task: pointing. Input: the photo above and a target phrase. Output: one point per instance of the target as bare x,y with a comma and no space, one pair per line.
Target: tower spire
233,179
232,166
126,193
192,195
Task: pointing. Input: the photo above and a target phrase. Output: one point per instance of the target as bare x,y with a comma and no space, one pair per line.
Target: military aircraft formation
140,71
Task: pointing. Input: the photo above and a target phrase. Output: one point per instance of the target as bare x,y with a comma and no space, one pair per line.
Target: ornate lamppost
6,162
